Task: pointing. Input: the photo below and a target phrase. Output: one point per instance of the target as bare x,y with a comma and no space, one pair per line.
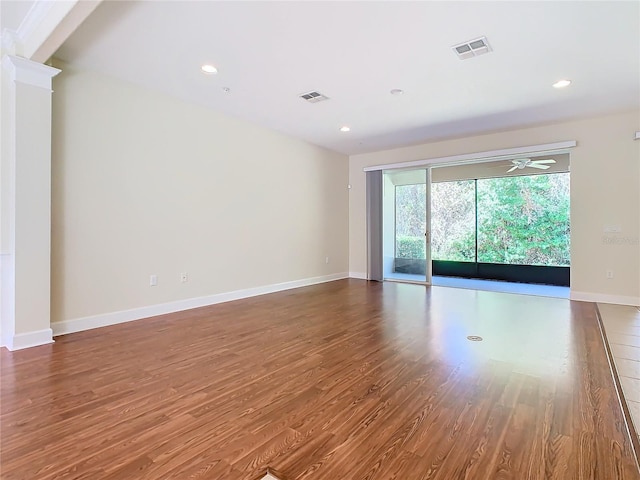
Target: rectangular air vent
313,97
472,48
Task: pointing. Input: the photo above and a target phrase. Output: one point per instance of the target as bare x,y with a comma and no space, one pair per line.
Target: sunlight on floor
487,285
504,287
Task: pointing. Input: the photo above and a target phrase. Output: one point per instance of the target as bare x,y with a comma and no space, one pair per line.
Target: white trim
637,136
491,155
30,339
360,275
36,16
113,318
48,24
603,298
10,41
7,297
29,72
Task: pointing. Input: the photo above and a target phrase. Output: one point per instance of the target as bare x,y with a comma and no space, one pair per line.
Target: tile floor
622,327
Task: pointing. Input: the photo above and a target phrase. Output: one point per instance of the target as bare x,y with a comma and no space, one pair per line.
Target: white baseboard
113,318
360,275
29,339
7,297
603,298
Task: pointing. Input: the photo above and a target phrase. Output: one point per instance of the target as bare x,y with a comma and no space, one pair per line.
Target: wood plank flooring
345,380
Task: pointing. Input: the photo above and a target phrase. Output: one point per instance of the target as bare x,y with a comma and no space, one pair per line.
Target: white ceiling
268,53
12,12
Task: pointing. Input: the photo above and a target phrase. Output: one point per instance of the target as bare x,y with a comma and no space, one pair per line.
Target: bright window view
453,221
410,221
521,220
524,220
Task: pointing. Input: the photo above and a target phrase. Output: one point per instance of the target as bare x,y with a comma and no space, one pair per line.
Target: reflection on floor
504,287
343,380
622,327
488,285
405,277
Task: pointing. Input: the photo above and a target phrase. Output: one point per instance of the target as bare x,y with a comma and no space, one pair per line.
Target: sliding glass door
512,228
407,225
477,220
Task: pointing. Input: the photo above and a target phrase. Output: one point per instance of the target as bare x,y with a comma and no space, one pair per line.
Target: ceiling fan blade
512,169
535,165
550,160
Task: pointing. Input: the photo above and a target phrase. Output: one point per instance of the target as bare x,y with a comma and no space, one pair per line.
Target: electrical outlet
153,280
326,260
184,277
609,274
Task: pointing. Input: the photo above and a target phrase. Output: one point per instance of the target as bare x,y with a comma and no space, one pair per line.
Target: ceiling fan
521,163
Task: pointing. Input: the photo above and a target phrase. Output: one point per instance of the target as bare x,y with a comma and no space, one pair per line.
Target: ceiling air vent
313,97
472,48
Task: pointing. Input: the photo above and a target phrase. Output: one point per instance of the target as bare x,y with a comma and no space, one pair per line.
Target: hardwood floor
345,380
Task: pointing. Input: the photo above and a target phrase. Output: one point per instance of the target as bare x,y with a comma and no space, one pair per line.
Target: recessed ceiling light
345,129
207,68
562,83
226,89
396,91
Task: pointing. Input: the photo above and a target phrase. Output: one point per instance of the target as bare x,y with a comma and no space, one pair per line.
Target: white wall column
25,195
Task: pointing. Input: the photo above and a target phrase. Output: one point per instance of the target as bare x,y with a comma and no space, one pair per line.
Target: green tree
453,224
410,221
521,220
524,220
411,210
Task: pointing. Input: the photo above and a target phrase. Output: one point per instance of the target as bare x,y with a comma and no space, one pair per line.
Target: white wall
146,184
605,190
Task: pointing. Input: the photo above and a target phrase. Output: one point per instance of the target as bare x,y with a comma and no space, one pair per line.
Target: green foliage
453,221
410,247
524,220
410,210
521,220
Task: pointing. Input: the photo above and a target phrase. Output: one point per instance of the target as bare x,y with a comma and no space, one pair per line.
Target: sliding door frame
463,159
390,232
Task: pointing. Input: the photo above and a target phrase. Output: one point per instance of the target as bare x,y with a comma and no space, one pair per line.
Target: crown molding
34,18
46,26
29,72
